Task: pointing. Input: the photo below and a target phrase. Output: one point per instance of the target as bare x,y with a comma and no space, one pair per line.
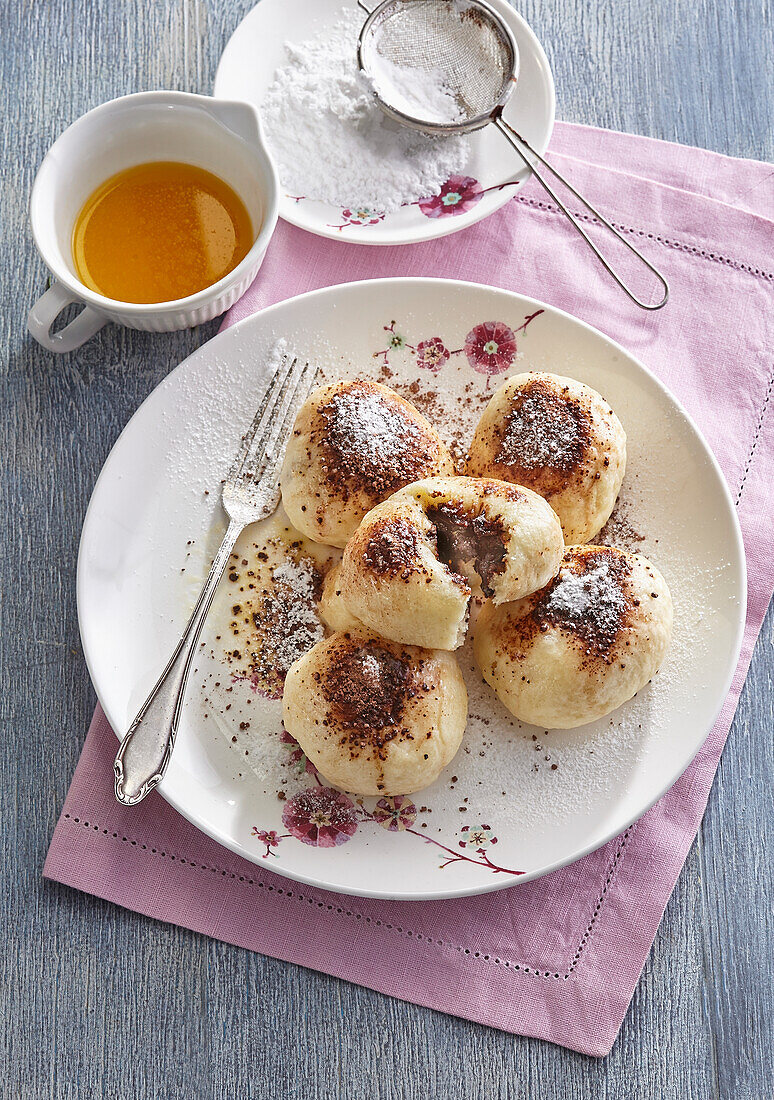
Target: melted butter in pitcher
158,232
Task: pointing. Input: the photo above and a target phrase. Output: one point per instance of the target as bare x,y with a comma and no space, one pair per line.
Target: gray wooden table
96,1001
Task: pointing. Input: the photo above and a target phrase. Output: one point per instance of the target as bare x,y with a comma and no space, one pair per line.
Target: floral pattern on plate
458,195
363,215
490,347
324,817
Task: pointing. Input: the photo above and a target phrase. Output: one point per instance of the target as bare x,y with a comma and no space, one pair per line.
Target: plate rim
442,227
490,886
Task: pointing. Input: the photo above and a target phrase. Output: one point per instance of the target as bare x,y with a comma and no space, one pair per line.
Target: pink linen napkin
557,958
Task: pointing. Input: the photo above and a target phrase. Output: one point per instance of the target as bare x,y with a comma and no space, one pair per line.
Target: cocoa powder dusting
285,622
543,429
587,600
392,549
372,443
367,687
588,597
620,531
455,424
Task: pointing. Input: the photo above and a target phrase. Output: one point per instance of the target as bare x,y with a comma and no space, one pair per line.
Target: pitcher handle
47,309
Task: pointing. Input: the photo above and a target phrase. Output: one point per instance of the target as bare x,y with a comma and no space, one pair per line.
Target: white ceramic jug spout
241,118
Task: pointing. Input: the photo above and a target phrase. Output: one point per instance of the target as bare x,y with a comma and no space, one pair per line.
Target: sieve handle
517,141
365,7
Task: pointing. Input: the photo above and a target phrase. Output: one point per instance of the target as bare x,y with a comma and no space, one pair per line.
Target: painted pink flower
478,837
490,347
363,215
458,194
395,814
320,816
297,759
268,837
431,354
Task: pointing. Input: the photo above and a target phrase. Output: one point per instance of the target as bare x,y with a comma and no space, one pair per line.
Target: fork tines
265,440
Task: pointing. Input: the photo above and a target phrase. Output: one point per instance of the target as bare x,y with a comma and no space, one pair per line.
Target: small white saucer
257,49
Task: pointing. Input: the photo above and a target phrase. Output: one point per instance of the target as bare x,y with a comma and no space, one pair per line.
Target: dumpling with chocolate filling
354,443
410,569
583,645
561,439
376,717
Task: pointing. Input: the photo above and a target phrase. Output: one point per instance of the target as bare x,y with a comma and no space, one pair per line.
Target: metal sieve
450,67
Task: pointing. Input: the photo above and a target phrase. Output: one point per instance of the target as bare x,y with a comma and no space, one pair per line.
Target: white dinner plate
515,799
493,173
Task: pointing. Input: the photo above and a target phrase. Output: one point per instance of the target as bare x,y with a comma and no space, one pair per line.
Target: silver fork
250,493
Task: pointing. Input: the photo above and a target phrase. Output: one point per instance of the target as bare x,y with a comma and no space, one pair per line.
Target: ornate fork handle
145,750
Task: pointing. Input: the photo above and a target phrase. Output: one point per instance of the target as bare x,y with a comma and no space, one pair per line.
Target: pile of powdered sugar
331,140
420,93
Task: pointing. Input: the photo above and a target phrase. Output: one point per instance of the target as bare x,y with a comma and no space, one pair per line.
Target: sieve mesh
438,62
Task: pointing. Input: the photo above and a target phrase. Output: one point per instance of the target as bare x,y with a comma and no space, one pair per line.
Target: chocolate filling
463,537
